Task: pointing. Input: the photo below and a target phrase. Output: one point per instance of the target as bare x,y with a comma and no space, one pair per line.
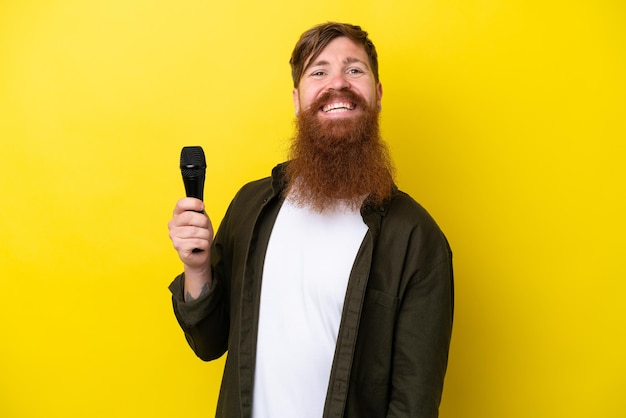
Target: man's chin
339,129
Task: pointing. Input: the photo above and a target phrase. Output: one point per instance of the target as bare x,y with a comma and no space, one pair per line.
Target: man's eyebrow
349,60
352,60
317,63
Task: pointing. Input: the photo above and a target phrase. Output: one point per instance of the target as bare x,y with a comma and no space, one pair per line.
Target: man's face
342,65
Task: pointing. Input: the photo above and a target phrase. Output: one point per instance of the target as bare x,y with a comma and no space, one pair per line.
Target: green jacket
392,348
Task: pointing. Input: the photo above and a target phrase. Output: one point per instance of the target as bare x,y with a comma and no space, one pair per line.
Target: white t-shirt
307,266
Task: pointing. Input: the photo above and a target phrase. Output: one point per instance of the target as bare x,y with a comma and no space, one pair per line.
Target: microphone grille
192,161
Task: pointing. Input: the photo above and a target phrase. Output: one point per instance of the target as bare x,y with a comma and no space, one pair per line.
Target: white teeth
338,106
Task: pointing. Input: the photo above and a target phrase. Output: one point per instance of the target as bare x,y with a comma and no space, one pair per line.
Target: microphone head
192,161
193,169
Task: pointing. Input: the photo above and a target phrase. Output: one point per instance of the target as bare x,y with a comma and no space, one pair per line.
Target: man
330,289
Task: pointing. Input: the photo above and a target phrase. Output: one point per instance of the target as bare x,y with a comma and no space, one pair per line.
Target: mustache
343,94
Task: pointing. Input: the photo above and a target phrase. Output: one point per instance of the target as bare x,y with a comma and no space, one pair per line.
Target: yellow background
506,120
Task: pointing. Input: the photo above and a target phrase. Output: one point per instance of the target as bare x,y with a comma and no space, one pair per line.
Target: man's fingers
191,232
190,218
188,204
187,232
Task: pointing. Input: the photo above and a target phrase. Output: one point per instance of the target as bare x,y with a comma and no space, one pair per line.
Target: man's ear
296,101
379,95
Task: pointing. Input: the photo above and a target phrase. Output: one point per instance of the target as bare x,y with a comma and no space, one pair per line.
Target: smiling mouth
338,107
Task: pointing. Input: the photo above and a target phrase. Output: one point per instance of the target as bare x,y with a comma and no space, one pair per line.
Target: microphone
193,169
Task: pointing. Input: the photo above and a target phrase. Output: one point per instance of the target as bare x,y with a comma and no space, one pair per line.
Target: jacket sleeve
423,333
206,320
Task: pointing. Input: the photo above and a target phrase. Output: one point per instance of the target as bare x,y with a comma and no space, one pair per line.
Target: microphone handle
194,186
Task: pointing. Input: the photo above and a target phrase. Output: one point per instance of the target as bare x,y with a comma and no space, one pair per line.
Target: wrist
198,281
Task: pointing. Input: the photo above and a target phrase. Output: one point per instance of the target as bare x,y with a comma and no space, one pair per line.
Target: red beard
339,160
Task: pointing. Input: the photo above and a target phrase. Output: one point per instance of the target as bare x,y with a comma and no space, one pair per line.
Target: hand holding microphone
190,229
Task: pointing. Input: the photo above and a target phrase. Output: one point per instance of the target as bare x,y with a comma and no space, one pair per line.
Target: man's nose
338,81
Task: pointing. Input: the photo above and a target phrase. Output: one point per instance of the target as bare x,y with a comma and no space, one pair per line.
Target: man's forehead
357,54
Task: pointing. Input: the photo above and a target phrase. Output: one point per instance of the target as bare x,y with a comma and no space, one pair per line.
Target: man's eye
355,71
317,74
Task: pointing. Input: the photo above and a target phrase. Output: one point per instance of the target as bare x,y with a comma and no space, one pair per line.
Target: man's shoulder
254,191
408,218
263,188
405,205
258,184
407,212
